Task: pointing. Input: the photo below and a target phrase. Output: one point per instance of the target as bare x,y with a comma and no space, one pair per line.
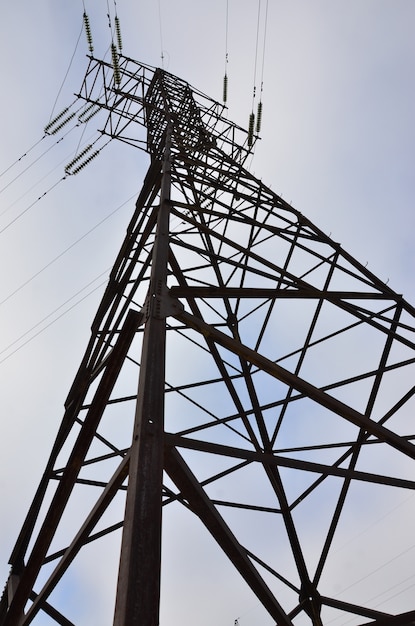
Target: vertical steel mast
274,406
141,541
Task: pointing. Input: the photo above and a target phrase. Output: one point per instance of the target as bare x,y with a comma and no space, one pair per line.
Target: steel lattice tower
275,381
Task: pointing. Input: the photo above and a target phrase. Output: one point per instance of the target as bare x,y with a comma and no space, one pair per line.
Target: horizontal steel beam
255,292
301,385
267,458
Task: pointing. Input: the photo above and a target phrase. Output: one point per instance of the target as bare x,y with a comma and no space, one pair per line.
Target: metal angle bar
170,496
247,507
80,539
300,396
369,277
89,483
272,571
90,539
301,385
354,263
271,459
272,472
256,271
254,230
100,438
356,449
138,587
404,619
266,263
258,292
92,358
220,363
306,347
190,488
52,612
353,608
239,215
310,292
66,484
278,286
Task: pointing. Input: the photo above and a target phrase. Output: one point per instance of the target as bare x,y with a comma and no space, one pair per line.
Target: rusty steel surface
275,390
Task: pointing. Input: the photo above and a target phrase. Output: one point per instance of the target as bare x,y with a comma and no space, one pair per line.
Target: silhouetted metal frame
197,176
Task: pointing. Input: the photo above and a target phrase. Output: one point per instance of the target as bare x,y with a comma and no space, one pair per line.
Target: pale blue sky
337,142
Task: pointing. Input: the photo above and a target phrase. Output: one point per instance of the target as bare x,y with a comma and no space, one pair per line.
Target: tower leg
138,590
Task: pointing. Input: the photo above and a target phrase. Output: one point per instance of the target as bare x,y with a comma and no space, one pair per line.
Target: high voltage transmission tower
241,365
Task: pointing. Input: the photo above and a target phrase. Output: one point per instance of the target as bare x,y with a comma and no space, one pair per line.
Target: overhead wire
161,35
256,128
22,156
27,169
61,254
52,131
259,110
68,171
64,160
53,126
251,125
48,127
31,205
52,313
66,73
225,78
256,53
114,50
382,565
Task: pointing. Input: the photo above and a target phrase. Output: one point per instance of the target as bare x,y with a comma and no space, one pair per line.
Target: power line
67,72
45,267
225,78
52,313
161,35
21,157
28,167
31,205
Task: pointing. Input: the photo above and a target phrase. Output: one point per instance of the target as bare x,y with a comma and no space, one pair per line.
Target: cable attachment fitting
161,305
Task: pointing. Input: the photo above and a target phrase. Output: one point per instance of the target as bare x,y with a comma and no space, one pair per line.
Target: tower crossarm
144,98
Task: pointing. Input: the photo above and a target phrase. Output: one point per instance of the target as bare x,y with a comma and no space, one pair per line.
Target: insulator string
88,33
115,64
251,130
258,118
118,32
225,88
251,126
77,158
